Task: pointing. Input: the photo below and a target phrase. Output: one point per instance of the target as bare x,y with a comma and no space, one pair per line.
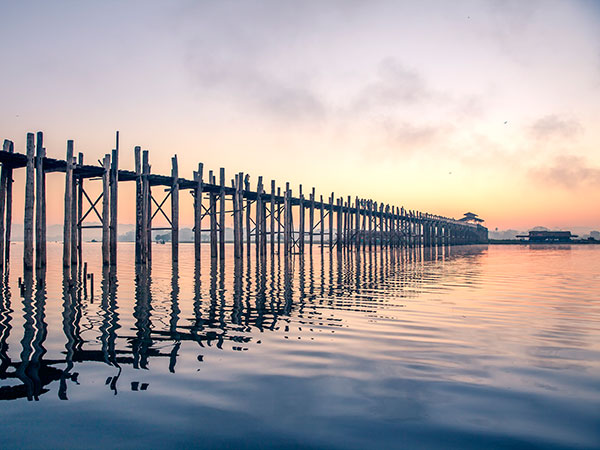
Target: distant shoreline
525,242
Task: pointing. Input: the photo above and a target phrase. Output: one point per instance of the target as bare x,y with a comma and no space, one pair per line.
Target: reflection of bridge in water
226,310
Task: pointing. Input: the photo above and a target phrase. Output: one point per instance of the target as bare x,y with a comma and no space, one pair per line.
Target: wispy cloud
553,126
568,171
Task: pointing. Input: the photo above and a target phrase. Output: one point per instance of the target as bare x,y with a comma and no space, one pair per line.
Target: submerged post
222,213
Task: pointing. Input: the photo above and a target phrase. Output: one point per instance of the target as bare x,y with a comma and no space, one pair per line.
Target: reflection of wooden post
8,146
175,210
198,212
40,238
114,183
68,209
105,210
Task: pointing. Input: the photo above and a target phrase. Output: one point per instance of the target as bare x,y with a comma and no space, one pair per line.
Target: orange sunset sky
444,107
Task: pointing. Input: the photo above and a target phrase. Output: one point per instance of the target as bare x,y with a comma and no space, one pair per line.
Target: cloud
553,126
282,97
568,171
395,84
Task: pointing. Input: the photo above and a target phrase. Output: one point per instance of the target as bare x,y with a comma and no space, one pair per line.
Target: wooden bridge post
331,221
278,221
213,217
9,147
106,211
175,209
68,208
339,224
322,222
301,222
198,212
40,204
3,183
236,211
240,194
29,203
139,201
114,190
74,217
286,220
146,209
222,213
79,215
311,219
272,221
263,226
248,215
258,217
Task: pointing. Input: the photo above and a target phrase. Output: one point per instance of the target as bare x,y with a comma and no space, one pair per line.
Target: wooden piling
258,217
198,213
3,183
213,218
287,236
272,218
9,147
147,208
248,214
311,219
40,241
301,222
322,222
79,214
67,229
331,221
175,209
278,221
74,217
106,211
235,197
222,213
114,190
139,204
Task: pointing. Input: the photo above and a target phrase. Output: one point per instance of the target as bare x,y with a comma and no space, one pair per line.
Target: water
472,347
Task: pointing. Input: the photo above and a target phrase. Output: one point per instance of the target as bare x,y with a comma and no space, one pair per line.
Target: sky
443,107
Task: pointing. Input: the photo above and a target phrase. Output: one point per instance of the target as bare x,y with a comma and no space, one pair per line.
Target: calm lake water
464,347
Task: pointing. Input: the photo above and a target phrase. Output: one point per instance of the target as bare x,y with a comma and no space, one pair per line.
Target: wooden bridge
265,220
